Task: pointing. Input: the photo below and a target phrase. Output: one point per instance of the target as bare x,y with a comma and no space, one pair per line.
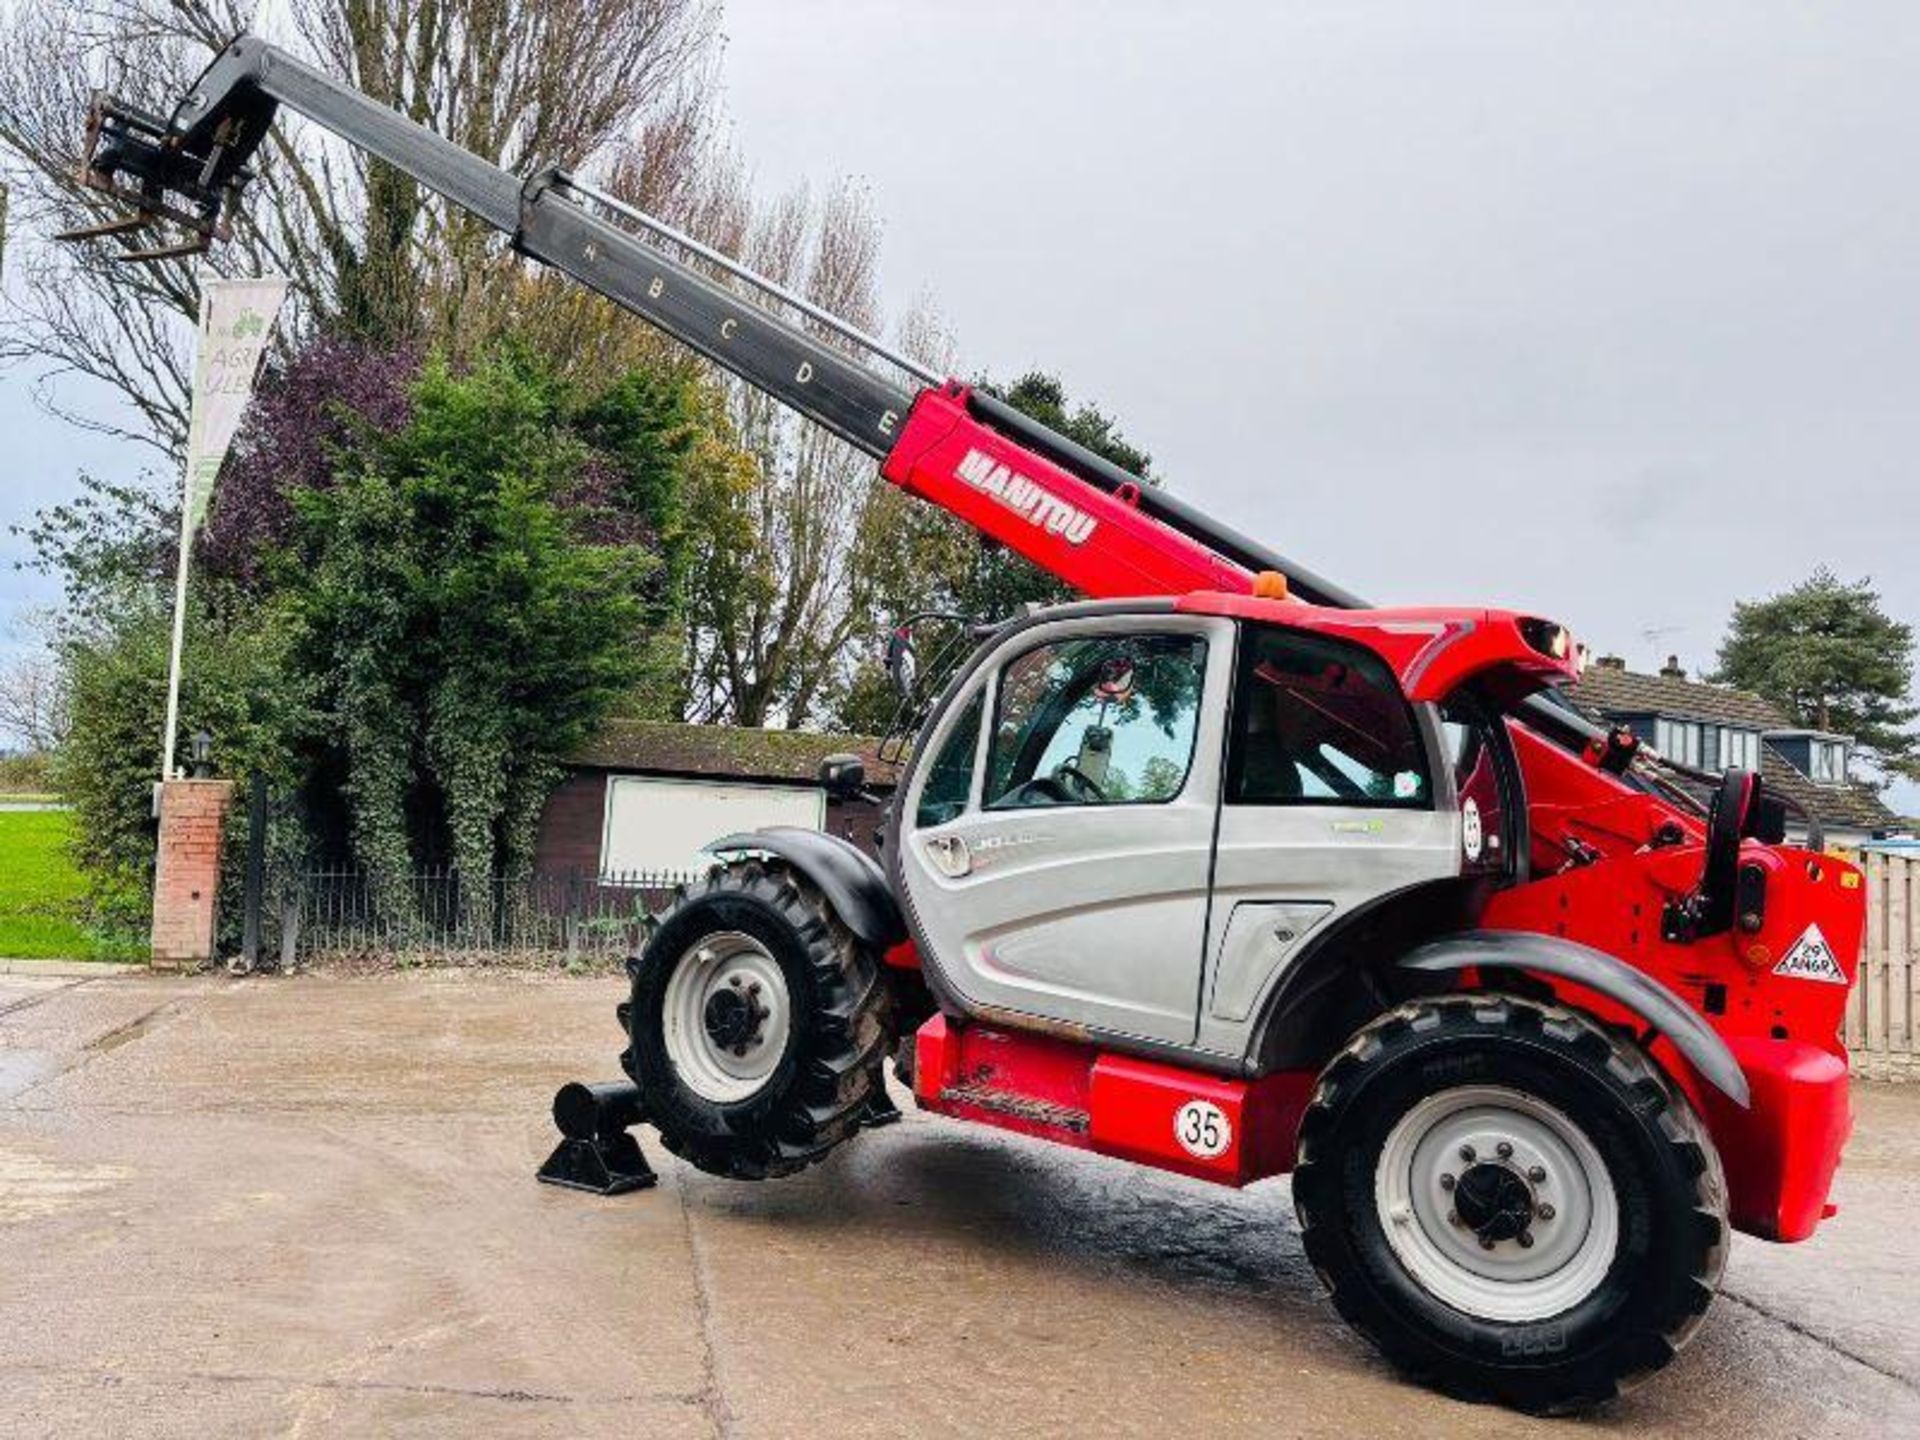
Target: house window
1724,748
1741,748
1679,741
1707,747
1828,762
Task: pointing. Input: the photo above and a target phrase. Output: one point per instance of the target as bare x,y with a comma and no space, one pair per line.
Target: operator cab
1133,818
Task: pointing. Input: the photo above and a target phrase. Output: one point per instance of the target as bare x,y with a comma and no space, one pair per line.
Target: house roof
730,752
1612,693
1849,806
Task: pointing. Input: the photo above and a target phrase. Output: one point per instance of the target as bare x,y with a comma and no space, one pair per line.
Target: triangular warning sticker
1811,958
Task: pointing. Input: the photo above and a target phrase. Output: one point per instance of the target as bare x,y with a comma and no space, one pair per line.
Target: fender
1610,976
850,878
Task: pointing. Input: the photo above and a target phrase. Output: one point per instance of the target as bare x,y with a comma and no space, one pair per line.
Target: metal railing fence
345,912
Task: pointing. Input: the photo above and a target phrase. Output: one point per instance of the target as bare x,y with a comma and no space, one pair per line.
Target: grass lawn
40,893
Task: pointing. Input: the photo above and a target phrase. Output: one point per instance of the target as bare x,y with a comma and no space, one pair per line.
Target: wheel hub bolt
1446,1182
1468,1154
1526,1240
1545,1212
1537,1173
1453,1217
1486,1242
1503,1150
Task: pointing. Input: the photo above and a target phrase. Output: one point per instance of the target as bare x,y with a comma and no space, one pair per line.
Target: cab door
1057,844
1337,793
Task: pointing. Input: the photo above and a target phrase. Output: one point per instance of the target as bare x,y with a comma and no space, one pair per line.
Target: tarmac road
306,1207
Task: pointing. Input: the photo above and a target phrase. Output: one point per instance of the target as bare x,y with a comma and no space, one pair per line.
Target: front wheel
758,1024
1509,1202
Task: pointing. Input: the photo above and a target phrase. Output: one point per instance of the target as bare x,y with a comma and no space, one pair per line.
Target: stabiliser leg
596,1152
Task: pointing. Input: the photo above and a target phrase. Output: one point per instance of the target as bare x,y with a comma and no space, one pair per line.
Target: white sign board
656,824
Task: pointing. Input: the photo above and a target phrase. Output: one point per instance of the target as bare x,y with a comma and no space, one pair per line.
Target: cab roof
1431,649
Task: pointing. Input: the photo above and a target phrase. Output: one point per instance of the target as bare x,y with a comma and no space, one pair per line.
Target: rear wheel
758,1024
1511,1203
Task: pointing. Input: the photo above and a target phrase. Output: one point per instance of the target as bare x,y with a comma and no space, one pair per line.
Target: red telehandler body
1221,870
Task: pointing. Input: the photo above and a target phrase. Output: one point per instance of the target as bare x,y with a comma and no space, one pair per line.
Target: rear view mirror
843,777
903,666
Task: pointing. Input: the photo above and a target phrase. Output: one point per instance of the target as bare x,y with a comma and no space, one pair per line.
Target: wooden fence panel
1883,1014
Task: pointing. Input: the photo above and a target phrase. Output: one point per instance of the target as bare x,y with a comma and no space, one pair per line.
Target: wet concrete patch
128,1033
21,1070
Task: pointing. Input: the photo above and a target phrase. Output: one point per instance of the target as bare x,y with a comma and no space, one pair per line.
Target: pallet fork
124,141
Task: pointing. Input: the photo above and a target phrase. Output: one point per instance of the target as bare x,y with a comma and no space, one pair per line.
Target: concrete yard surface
307,1207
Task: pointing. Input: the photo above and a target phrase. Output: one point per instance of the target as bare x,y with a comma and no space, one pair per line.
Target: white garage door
654,824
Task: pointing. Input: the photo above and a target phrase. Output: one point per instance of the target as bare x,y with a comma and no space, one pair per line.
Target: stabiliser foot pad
597,1154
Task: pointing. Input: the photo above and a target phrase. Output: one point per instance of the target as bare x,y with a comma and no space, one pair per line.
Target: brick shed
643,796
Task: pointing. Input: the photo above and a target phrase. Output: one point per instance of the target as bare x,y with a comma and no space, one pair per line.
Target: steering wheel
1041,787
1085,783
1055,790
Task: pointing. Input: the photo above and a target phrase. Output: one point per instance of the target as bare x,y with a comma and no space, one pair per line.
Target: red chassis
1635,855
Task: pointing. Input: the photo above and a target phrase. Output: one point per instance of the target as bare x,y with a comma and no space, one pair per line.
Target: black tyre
1511,1203
758,1024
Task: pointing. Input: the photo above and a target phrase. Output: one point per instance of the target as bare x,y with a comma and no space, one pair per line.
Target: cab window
950,776
1096,720
1472,751
1317,722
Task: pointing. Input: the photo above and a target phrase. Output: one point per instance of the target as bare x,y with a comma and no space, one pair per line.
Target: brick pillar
186,874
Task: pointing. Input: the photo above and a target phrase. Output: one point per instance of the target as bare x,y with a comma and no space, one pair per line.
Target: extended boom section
201,155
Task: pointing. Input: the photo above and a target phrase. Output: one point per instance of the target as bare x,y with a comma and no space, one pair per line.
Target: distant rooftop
732,752
1610,688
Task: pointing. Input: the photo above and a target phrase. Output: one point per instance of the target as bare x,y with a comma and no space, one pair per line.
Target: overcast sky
1609,311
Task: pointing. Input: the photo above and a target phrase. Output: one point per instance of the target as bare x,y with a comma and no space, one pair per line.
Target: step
1018,1106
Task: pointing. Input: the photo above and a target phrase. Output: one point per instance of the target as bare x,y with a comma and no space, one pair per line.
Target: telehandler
1220,870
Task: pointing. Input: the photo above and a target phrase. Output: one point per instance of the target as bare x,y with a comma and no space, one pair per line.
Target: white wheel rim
726,1017
1572,1229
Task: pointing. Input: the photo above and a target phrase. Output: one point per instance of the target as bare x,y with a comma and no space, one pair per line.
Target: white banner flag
236,317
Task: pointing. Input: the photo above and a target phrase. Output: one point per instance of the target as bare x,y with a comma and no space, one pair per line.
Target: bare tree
776,544
574,82
33,701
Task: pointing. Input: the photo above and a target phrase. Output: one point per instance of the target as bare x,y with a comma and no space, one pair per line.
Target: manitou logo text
1026,497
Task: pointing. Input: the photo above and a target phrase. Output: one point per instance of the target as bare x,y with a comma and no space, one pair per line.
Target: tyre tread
1637,1075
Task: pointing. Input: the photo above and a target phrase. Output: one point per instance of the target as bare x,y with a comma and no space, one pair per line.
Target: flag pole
179,628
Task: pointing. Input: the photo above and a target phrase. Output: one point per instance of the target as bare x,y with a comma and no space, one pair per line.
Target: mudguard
850,878
1597,970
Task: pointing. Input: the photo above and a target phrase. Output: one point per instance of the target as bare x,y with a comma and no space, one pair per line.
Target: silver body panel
1284,864
1166,922
1091,915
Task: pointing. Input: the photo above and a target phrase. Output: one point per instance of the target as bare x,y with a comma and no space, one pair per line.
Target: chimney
1671,670
1610,662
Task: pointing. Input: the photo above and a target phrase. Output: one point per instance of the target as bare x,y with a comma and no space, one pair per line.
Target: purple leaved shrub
304,419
